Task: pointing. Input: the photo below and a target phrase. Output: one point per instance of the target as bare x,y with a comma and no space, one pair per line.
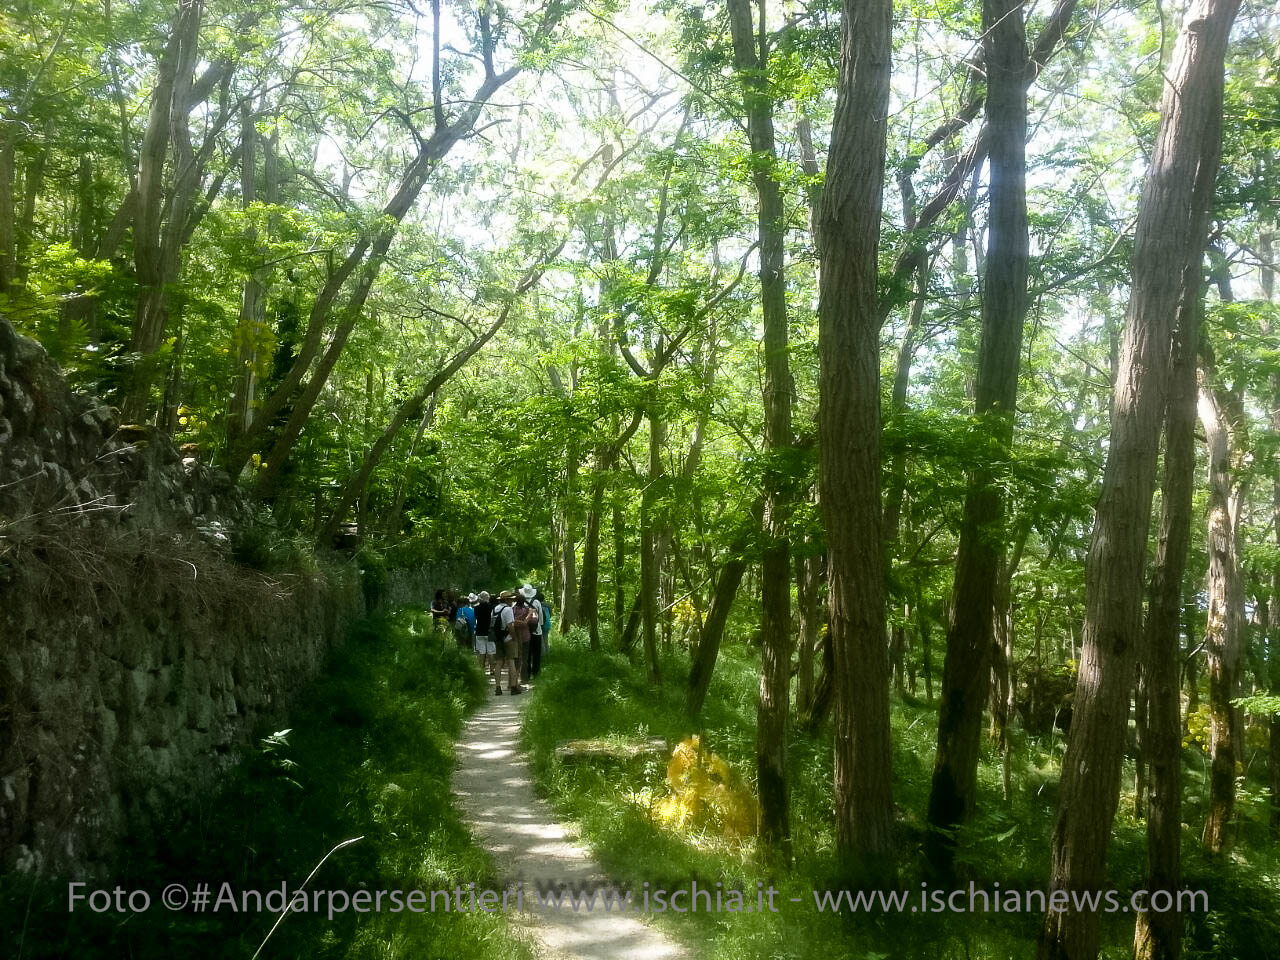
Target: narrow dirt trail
494,786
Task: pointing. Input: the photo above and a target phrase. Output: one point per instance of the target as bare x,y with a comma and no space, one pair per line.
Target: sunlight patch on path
495,791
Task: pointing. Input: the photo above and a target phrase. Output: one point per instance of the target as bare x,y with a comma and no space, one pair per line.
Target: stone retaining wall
135,657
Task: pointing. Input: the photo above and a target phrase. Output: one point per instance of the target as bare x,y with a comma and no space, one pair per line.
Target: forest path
494,786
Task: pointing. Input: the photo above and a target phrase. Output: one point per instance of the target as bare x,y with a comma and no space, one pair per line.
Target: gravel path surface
529,845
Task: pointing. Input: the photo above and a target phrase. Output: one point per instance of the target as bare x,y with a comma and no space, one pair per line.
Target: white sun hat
472,598
527,592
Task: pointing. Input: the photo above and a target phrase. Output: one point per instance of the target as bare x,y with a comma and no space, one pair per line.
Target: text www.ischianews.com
556,896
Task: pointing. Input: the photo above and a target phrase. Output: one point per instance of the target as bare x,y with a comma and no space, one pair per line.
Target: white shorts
485,645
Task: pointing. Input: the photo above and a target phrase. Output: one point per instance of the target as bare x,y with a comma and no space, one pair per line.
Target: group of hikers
509,633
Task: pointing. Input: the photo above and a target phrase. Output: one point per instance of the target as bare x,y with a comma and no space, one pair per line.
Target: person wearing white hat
533,660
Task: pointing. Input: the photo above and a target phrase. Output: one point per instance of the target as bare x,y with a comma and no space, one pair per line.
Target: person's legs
512,655
535,655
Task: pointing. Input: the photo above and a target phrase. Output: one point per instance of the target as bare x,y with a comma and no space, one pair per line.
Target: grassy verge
369,754
586,695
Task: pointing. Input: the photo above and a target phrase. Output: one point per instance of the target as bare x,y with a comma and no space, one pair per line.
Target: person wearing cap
509,653
533,661
485,648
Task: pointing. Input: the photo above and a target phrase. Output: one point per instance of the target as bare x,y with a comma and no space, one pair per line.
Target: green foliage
1259,705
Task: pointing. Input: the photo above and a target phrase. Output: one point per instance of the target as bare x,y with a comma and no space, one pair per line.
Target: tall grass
369,753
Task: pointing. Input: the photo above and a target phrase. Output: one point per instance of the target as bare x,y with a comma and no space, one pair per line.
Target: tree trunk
1190,655
1002,675
8,212
393,522
1158,936
567,556
589,587
1225,623
1169,242
628,639
619,566
31,188
81,311
253,295
153,234
704,661
589,584
824,691
897,469
807,598
773,710
970,635
650,558
849,436
1266,250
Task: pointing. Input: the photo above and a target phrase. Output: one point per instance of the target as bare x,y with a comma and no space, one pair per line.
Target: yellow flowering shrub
703,792
685,613
1198,723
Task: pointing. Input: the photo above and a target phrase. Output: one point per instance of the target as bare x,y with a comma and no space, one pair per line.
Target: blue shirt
469,615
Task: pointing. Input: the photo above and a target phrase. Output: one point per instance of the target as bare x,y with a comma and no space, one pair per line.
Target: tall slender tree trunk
926,644
8,210
619,567
709,637
32,186
1169,242
1158,935
1003,679
253,294
392,521
606,456
808,629
751,57
1190,656
154,234
897,468
1224,627
650,556
82,310
589,585
1266,250
1004,308
849,436
566,555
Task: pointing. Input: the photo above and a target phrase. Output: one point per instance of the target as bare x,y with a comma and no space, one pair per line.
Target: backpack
497,631
526,616
461,631
546,617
